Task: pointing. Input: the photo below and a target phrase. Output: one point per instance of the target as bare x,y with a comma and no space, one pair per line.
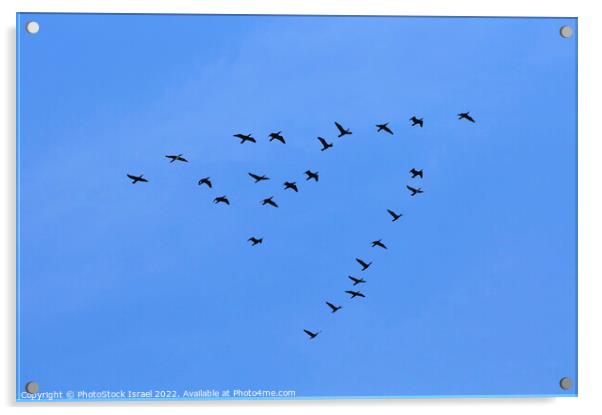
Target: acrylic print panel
162,254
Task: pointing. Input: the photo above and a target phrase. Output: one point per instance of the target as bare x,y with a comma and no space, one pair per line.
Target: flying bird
136,179
395,215
205,180
258,178
221,199
269,201
417,121
466,116
356,281
415,173
333,307
277,136
291,185
342,131
363,264
355,293
311,175
414,190
325,145
177,158
255,240
245,137
384,127
379,244
311,334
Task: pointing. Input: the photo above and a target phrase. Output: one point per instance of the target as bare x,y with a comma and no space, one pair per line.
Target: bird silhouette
291,185
415,173
356,281
221,199
417,121
311,175
136,179
245,137
414,190
342,131
333,307
177,158
205,180
255,240
355,293
466,116
269,201
277,136
384,127
325,145
379,244
364,265
311,334
258,178
395,215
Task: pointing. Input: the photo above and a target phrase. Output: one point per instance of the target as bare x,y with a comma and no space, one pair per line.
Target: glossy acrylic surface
153,291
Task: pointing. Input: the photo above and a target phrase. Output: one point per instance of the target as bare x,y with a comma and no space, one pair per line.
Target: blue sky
152,286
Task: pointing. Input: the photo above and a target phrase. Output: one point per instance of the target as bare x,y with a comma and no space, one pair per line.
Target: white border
590,209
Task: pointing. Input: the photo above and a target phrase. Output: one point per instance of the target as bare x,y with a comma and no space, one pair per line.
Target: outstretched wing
254,176
393,214
332,306
323,142
362,263
340,127
289,185
411,189
309,333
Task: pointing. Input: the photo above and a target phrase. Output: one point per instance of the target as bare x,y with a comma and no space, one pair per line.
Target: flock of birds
310,175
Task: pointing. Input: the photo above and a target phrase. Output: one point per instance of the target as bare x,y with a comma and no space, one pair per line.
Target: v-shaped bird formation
365,265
